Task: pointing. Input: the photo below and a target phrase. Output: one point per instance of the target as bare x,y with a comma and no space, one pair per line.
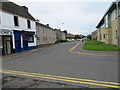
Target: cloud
78,17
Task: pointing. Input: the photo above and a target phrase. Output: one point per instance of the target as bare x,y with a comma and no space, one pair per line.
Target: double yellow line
61,78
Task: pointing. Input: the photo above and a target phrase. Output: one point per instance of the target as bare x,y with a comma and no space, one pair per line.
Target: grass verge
99,46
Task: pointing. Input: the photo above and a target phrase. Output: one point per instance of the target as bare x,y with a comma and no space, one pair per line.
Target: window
28,24
104,36
100,36
108,21
43,29
116,34
16,21
30,38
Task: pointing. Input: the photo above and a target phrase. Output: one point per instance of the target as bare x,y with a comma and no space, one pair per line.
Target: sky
75,16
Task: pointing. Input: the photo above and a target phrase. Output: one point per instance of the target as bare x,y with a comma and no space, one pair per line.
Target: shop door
25,41
7,45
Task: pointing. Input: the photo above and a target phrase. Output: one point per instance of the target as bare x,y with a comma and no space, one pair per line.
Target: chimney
47,25
37,20
25,8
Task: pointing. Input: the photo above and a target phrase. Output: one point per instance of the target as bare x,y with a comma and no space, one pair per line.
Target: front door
17,36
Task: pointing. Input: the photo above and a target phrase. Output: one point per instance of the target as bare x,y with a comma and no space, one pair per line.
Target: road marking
61,78
72,50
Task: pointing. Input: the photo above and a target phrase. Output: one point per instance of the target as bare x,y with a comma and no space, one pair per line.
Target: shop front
6,37
22,40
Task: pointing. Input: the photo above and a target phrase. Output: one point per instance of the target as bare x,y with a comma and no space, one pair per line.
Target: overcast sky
75,16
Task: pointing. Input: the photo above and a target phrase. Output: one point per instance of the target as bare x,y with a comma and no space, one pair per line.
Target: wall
43,33
8,23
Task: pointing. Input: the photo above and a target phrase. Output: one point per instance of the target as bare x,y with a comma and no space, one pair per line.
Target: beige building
107,29
45,34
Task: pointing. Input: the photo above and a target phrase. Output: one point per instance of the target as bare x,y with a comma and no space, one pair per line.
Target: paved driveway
58,61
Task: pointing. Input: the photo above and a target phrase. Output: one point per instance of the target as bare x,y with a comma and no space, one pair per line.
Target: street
58,61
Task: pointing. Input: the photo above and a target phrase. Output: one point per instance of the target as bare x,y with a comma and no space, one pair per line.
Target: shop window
30,38
16,23
28,23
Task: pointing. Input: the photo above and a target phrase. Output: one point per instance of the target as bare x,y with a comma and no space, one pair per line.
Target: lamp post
59,25
118,27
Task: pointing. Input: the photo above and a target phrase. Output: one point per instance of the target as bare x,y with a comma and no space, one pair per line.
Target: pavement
20,82
78,49
59,64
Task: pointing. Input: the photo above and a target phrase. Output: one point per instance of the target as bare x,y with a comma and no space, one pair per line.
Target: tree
65,31
89,36
77,37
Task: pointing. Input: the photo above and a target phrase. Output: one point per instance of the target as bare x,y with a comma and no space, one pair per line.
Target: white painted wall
7,22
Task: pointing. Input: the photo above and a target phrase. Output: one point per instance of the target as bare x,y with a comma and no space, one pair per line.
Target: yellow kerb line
73,48
64,80
18,72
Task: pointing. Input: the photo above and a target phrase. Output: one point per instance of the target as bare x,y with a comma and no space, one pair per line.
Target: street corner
86,52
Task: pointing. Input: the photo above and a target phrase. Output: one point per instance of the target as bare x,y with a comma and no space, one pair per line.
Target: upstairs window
104,36
108,21
16,21
28,23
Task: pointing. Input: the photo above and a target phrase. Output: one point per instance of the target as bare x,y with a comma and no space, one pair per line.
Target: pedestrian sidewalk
80,49
19,54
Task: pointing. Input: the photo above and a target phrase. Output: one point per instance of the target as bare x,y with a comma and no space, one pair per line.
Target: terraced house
108,29
45,34
17,28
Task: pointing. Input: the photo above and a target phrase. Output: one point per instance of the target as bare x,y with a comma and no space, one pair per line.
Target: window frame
16,21
32,35
29,24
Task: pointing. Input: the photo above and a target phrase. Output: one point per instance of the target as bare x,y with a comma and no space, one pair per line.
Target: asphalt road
58,61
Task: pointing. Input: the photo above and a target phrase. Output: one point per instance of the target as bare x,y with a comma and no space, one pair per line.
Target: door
25,41
17,36
7,44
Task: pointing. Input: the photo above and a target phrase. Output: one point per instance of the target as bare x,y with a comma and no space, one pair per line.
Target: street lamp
118,28
59,24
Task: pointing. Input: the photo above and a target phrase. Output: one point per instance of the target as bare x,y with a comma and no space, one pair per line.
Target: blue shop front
23,39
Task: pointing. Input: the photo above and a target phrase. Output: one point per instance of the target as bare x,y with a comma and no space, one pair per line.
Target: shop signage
5,32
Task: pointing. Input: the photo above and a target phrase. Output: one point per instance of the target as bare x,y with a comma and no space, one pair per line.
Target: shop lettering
6,32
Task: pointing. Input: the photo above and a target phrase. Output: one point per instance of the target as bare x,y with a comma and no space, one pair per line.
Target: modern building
108,29
17,28
45,34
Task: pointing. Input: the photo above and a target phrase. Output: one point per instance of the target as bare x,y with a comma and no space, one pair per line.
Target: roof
40,24
16,9
110,9
69,35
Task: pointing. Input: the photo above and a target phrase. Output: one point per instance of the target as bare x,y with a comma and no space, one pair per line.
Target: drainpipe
118,30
